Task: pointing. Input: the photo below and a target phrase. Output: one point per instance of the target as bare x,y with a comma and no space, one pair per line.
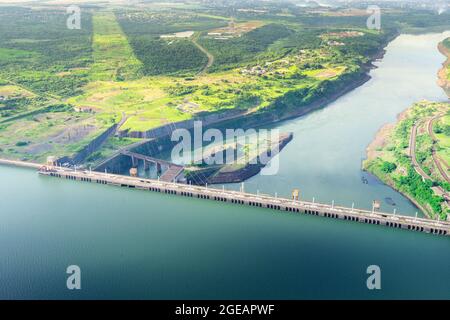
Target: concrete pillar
158,168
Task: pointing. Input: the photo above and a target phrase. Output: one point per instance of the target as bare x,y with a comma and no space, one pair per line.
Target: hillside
151,67
413,156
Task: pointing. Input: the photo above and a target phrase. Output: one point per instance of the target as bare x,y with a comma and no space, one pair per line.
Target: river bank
373,151
281,109
275,116
391,157
380,157
246,120
20,164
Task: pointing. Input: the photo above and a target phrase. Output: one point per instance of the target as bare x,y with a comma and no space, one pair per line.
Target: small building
85,109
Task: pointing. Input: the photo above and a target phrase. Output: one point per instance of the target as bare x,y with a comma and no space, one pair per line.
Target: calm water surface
134,244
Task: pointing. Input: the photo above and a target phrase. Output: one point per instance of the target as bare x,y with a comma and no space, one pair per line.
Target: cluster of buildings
334,43
343,34
254,71
268,67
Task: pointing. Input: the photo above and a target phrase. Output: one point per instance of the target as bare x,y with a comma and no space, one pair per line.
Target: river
134,244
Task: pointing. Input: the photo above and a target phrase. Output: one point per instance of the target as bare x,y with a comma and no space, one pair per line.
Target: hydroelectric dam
374,217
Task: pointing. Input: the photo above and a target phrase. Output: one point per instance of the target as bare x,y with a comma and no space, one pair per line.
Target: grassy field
36,137
114,58
153,101
153,81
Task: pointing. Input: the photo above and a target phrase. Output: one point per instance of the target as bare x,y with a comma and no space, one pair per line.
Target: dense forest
233,52
168,56
51,57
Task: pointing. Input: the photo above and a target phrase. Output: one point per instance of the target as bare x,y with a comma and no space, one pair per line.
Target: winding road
207,53
434,153
412,153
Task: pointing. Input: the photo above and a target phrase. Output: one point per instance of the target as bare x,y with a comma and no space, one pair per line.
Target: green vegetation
388,167
233,52
60,88
168,56
113,56
171,55
442,132
38,52
392,164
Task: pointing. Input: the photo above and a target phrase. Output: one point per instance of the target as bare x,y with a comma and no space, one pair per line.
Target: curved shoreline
325,101
379,141
383,133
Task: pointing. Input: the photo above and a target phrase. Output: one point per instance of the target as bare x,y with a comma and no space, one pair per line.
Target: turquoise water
137,244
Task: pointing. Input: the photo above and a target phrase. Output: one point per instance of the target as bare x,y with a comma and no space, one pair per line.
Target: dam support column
158,168
134,161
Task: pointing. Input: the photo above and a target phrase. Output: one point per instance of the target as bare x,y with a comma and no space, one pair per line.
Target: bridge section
172,173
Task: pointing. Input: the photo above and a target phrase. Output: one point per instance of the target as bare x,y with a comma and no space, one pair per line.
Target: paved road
206,52
412,153
417,167
434,153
